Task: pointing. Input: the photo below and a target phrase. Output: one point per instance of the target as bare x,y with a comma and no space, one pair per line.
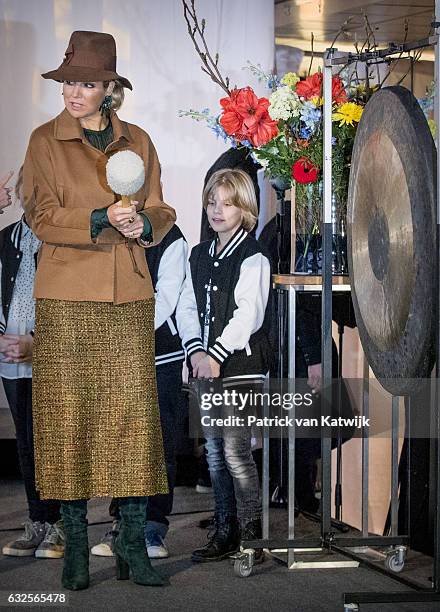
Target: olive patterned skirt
96,417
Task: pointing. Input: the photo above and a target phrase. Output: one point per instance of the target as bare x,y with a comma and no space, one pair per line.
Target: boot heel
122,569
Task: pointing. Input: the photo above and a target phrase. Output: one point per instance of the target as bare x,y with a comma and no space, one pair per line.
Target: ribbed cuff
98,222
193,346
147,234
218,352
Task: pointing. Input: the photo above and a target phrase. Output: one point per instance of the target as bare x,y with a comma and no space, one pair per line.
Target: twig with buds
196,31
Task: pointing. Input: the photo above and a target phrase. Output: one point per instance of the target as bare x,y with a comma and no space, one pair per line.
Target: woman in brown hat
96,418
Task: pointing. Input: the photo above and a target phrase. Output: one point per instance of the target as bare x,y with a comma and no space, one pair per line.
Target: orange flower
246,117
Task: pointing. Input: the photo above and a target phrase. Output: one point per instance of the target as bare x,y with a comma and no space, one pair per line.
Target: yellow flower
433,127
348,113
290,79
317,101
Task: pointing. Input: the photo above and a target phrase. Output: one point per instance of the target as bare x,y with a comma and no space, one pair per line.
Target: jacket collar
230,246
69,128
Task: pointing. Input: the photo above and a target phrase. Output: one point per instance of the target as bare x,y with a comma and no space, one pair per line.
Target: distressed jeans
234,477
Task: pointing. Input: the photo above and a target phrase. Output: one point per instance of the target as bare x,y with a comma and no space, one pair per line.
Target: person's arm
170,278
160,216
251,294
48,219
187,317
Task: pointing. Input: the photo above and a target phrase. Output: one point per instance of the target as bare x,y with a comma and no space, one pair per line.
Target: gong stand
328,539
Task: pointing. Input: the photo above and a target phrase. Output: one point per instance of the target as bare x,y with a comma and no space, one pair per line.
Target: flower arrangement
284,133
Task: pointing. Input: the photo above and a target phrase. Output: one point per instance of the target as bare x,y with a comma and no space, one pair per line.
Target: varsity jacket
166,263
224,307
10,257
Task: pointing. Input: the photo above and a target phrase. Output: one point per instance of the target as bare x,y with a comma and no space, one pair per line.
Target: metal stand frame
328,540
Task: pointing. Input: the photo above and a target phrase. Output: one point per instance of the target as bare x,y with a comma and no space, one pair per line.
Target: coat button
12,279
216,264
212,318
201,314
215,288
206,286
18,256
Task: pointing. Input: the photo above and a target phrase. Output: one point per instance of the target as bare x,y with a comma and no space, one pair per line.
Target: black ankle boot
222,543
253,531
131,554
76,549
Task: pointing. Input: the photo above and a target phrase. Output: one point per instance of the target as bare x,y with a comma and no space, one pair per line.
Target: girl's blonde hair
240,190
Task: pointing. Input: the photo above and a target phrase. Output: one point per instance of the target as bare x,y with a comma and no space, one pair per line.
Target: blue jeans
234,477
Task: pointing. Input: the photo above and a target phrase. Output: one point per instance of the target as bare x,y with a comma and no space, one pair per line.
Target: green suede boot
76,551
129,546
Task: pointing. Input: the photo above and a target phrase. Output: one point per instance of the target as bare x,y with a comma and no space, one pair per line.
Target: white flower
284,104
261,160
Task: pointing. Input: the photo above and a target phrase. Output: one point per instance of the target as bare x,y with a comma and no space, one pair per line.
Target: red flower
303,171
338,92
246,117
311,87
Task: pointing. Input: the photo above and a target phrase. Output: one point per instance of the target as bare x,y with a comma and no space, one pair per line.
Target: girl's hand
195,360
208,368
20,348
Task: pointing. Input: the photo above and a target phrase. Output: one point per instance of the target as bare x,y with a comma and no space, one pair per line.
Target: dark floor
206,587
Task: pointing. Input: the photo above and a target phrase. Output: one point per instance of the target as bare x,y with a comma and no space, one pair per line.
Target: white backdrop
156,54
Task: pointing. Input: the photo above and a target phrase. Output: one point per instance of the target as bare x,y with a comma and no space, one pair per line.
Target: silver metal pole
292,432
326,347
365,447
394,465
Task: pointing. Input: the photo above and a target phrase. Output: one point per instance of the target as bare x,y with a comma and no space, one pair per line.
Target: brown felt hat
90,56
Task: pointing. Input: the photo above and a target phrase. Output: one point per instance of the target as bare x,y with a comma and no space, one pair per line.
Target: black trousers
19,395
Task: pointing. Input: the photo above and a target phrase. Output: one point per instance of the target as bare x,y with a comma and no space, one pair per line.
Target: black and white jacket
223,308
166,263
10,259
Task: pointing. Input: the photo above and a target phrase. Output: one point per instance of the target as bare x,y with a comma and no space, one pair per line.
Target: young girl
223,321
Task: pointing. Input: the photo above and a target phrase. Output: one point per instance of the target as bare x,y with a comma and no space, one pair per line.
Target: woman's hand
19,348
125,219
207,367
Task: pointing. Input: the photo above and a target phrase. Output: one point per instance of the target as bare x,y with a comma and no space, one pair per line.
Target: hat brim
78,73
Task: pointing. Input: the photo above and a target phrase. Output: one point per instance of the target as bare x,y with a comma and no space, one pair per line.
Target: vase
308,203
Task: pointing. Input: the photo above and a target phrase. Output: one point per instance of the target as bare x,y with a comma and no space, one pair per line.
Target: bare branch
312,40
196,31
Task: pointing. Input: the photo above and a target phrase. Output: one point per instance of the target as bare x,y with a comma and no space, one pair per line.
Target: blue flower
310,115
305,133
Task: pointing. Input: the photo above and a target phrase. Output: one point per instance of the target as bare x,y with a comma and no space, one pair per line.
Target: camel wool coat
64,181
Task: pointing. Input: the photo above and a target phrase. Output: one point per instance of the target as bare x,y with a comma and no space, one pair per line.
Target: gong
391,229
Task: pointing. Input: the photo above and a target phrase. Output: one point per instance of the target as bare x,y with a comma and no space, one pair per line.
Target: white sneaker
104,548
52,547
156,548
26,544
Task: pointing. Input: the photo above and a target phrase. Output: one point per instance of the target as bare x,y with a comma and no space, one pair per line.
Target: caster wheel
242,567
393,563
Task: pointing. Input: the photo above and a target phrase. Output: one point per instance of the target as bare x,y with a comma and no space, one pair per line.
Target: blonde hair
118,94
241,193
